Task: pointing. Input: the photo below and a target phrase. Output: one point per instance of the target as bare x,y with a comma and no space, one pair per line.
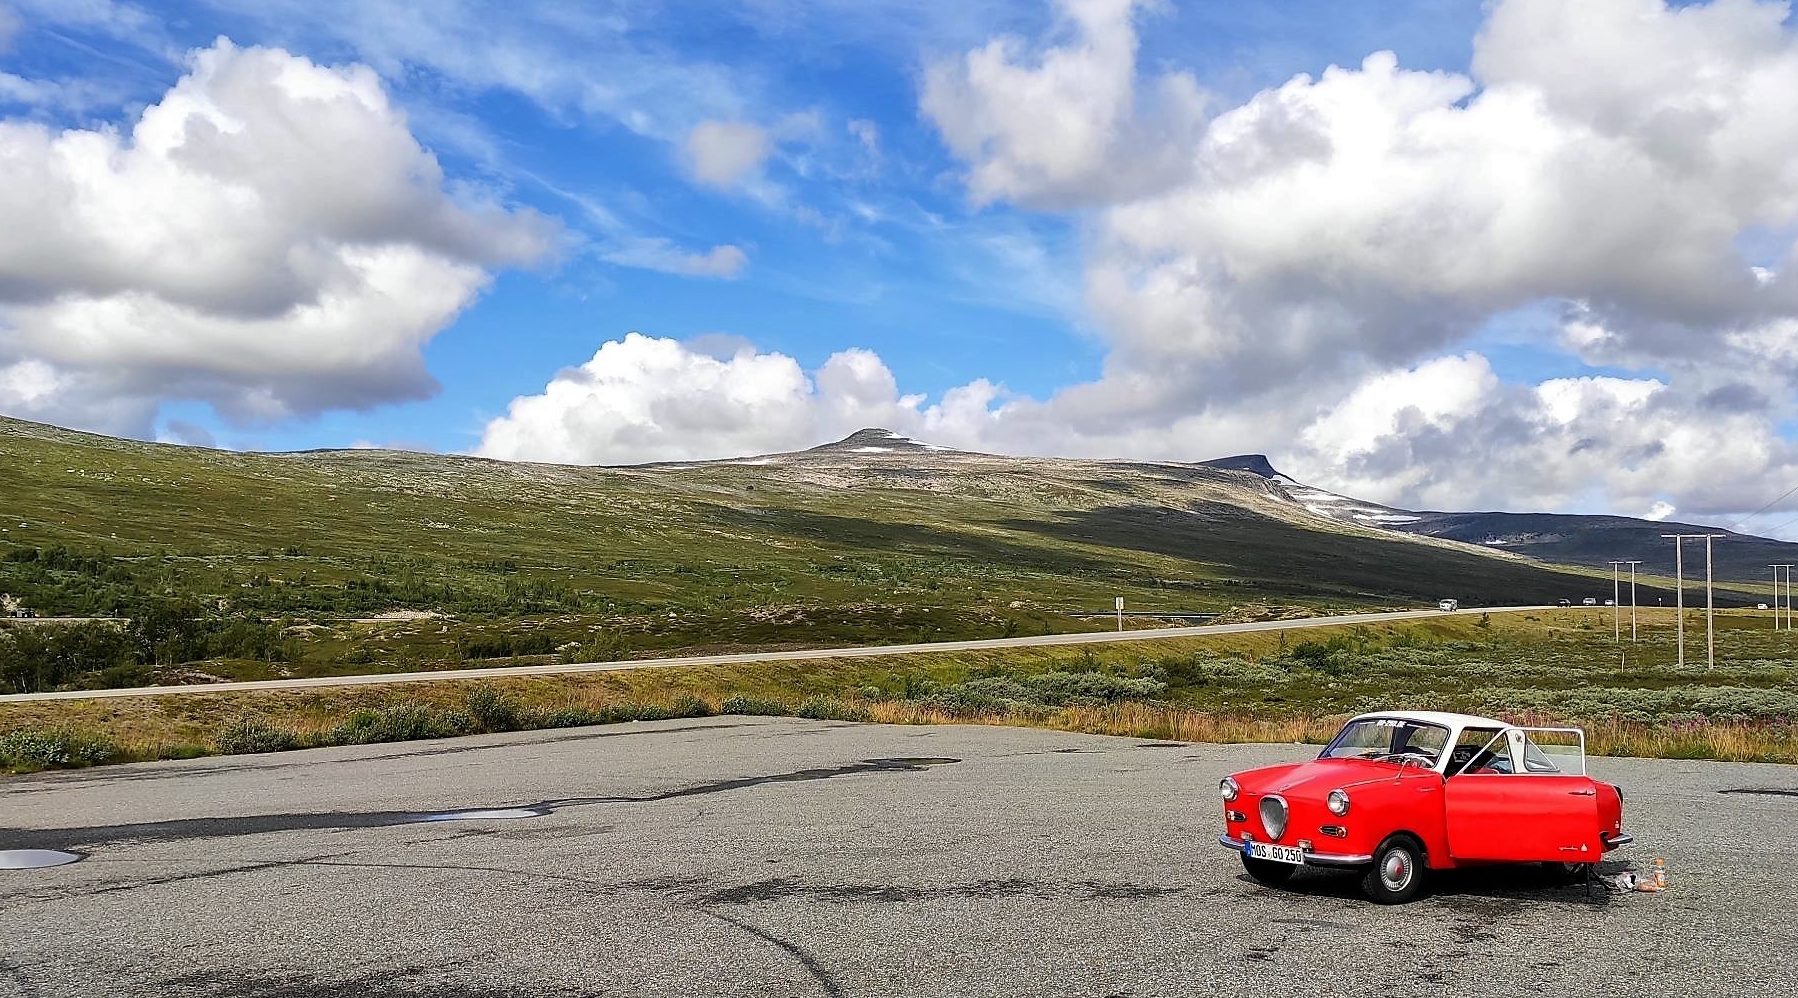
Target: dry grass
1133,720
189,724
1723,741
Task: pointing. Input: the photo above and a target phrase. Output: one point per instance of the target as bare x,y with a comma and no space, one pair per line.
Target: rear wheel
1397,873
1268,872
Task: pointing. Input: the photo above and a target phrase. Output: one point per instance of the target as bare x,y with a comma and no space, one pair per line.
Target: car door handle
1582,793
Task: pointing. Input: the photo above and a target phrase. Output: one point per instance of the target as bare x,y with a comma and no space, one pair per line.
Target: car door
1522,815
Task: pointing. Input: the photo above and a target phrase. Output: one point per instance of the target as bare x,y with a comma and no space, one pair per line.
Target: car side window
1479,751
1537,761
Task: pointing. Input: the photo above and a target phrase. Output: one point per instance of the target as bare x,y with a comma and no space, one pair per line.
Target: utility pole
1632,599
1709,603
1679,592
1782,622
1710,609
1789,596
1775,569
1616,607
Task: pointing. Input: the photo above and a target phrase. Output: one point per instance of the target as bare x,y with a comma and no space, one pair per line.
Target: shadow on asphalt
1501,888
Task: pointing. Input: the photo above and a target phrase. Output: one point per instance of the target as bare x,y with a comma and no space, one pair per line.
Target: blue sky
943,290
1452,276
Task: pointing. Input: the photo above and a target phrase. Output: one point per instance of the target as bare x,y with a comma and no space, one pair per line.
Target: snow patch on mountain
1342,509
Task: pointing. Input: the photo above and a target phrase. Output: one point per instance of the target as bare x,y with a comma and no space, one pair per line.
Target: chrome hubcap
1396,871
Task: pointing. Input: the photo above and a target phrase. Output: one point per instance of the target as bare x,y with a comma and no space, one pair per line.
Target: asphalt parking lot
750,856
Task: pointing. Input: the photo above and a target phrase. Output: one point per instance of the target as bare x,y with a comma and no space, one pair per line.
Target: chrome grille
1273,816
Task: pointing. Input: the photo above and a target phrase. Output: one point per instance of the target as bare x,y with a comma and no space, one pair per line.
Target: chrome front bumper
1311,858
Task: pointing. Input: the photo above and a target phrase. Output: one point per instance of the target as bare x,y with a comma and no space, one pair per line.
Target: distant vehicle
1398,794
1589,601
1565,602
1760,606
1448,605
1610,602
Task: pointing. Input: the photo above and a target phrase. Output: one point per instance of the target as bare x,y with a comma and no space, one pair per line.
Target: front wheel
1397,873
1267,872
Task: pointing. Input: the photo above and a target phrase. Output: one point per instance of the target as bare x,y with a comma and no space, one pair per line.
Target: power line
1741,521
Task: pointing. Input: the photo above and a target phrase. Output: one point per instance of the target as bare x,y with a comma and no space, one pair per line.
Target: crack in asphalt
51,782
1763,791
187,829
783,888
401,983
797,952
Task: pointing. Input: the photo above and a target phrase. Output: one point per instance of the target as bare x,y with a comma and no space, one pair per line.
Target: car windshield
1389,738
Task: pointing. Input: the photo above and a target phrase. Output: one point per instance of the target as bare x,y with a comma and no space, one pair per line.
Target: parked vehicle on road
1589,601
1397,795
1448,605
1564,602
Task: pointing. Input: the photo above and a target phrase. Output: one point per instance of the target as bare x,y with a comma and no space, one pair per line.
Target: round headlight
1228,788
1337,802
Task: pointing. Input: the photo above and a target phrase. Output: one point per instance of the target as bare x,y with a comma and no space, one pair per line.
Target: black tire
1397,874
1267,872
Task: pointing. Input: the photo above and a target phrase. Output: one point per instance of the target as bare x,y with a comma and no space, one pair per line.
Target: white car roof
1443,718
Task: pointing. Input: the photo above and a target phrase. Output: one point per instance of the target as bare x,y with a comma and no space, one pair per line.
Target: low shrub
755,706
606,646
1056,689
249,734
832,709
36,748
489,710
1028,695
561,717
402,723
961,701
692,706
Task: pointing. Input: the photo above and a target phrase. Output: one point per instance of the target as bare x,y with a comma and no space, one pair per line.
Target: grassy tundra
1556,666
216,565
251,566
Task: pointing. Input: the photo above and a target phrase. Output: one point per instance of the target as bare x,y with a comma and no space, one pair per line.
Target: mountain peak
876,440
1255,463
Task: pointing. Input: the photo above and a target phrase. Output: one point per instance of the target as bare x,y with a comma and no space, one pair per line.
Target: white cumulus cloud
725,153
1302,272
268,237
1066,124
646,399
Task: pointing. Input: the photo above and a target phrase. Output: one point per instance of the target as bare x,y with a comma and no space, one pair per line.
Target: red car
1398,794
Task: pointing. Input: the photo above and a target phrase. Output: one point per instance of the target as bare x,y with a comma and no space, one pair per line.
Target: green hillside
260,565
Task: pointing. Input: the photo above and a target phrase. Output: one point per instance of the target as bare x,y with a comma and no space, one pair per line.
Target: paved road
768,857
866,651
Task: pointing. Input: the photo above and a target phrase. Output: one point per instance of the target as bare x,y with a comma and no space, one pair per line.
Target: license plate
1274,853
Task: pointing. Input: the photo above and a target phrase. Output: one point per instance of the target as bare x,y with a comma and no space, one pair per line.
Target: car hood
1315,779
